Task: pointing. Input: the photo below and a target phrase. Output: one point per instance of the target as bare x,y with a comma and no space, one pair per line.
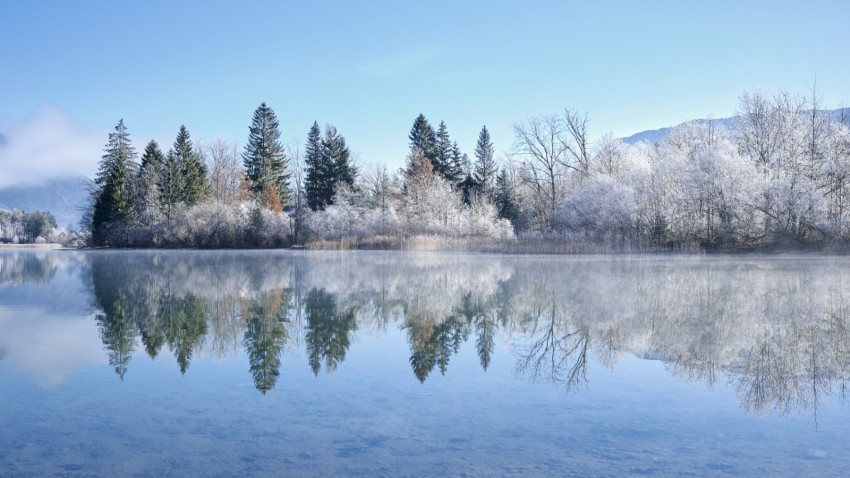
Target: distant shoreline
32,246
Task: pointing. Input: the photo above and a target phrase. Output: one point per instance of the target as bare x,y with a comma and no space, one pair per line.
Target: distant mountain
62,197
653,136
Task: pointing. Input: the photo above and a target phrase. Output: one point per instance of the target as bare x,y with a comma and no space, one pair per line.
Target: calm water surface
422,364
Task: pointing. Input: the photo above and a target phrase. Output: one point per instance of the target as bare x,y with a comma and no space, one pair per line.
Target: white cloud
49,349
45,145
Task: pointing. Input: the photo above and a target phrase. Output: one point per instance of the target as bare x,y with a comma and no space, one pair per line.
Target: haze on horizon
72,70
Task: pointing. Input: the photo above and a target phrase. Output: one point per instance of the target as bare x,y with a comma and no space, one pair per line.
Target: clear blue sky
371,67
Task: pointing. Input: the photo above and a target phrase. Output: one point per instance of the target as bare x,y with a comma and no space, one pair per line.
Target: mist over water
278,362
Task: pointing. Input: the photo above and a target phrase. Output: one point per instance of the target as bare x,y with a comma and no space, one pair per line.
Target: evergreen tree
468,188
171,183
113,208
149,203
422,136
418,172
443,159
506,201
485,164
328,165
315,174
338,159
456,165
196,185
265,160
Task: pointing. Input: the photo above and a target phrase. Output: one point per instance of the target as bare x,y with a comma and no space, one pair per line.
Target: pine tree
485,164
315,173
422,136
113,208
264,158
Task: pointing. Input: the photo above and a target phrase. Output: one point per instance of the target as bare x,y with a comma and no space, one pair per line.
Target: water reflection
776,329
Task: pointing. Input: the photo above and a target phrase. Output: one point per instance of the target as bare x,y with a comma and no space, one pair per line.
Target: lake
301,363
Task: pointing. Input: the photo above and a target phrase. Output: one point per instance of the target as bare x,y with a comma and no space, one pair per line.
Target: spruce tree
422,137
443,164
265,160
113,208
171,183
338,158
196,184
456,165
485,164
315,175
505,200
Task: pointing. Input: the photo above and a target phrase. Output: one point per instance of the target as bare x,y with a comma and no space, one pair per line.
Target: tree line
776,173
21,227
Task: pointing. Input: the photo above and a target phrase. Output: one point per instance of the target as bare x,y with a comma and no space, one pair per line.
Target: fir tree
485,164
196,184
315,174
506,201
113,208
338,159
171,183
328,165
456,165
422,136
264,158
443,160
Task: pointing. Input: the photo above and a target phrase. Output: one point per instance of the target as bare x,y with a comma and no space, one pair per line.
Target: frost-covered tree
227,178
338,158
329,166
265,160
485,164
195,184
113,206
149,180
446,163
423,137
317,171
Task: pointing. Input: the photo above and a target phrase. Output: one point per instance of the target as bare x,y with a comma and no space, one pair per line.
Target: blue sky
371,67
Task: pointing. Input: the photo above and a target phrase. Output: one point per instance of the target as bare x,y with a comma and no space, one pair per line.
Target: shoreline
51,245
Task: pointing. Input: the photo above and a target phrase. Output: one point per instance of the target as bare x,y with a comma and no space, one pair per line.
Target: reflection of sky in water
66,413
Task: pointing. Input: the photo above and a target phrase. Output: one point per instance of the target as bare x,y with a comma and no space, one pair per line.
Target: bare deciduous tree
226,173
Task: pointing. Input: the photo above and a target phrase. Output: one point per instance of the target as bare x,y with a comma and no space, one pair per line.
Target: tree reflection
556,354
20,267
115,320
185,325
328,331
779,336
266,337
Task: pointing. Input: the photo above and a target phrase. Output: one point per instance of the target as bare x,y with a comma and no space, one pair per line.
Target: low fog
45,145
